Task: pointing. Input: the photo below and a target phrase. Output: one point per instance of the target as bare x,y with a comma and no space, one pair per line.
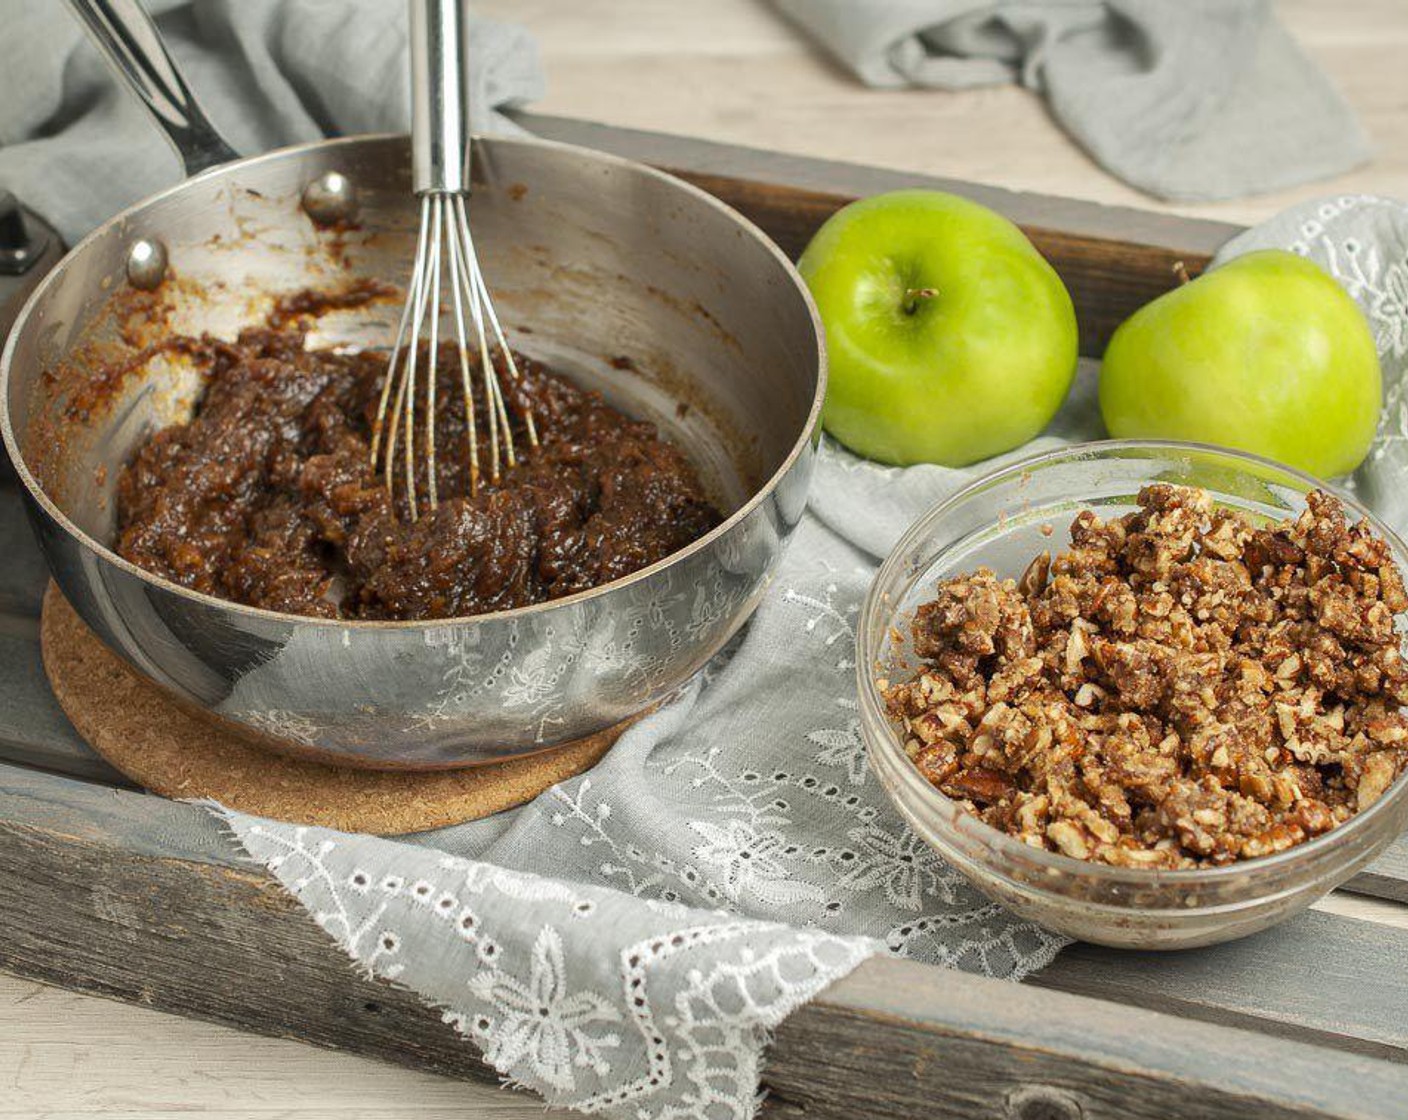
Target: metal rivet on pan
330,198
146,263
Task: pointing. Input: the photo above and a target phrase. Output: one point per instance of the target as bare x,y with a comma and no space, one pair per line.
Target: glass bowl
998,522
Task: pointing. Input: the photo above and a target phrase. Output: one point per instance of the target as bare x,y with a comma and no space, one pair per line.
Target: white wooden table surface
728,70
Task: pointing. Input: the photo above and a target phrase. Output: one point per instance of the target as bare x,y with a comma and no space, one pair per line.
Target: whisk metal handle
439,32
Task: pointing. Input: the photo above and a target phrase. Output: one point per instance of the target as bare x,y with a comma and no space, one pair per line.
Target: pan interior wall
631,283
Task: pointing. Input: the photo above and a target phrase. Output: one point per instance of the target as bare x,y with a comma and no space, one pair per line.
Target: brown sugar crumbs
1182,688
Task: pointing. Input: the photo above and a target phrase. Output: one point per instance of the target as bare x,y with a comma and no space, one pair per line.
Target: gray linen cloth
626,942
1187,100
78,148
634,933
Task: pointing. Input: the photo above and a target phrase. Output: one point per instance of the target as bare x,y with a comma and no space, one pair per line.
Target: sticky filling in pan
267,495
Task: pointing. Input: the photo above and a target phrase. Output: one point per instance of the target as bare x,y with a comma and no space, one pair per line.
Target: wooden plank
91,906
33,728
735,71
1387,876
1319,978
931,1044
1113,259
141,825
22,570
693,156
1363,907
1108,279
64,1054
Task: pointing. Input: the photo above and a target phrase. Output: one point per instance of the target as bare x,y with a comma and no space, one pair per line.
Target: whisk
445,264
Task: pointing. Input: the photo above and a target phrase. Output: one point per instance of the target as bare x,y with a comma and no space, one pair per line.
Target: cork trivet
171,751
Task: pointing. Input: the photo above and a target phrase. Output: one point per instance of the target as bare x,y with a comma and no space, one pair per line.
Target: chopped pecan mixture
1182,688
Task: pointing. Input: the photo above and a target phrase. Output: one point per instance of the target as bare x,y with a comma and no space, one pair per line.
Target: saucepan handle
133,46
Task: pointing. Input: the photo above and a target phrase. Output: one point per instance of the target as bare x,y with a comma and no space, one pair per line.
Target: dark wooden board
1321,977
110,890
106,898
22,570
1386,877
1351,1003
928,1044
33,729
1113,259
1077,217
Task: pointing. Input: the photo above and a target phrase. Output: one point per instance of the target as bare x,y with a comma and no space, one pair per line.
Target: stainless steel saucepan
639,285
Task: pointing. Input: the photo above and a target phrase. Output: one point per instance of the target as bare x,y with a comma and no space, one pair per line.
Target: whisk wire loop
446,267
445,263
378,428
471,424
436,223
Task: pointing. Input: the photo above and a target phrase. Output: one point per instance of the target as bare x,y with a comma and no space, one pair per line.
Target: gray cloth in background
1187,100
77,148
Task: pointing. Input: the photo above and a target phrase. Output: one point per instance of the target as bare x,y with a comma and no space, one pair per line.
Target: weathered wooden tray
102,891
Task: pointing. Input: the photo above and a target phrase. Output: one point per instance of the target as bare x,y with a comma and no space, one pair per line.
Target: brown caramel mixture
266,496
1183,688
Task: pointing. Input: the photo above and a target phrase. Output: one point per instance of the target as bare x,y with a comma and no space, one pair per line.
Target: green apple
950,339
1265,353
